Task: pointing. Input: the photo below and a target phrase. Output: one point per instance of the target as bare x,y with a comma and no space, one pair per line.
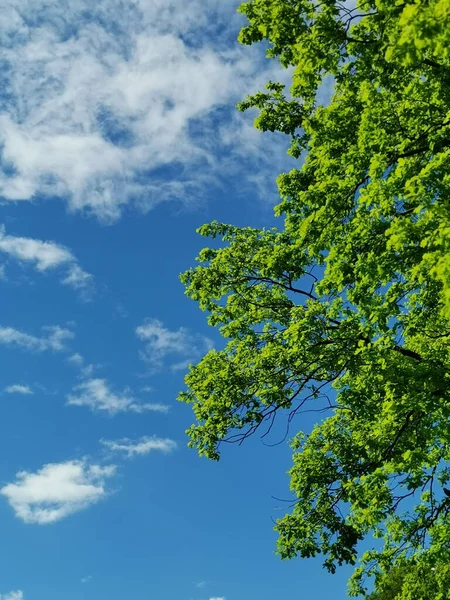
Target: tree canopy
345,307
411,581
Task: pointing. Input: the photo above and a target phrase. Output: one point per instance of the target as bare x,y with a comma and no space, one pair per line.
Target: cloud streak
46,256
140,447
19,389
97,395
57,490
162,343
55,338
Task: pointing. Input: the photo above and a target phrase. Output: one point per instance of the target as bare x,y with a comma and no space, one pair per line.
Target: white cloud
97,395
76,359
161,342
218,598
18,389
57,490
86,370
99,96
78,278
18,595
55,338
144,445
86,579
45,256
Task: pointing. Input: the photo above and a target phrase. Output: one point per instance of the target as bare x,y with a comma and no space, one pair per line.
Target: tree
346,306
413,581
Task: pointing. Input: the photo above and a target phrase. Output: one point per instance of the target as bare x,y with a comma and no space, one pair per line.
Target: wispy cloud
57,490
18,389
218,598
86,369
79,279
142,446
55,338
76,359
162,343
86,579
97,395
17,595
46,256
99,96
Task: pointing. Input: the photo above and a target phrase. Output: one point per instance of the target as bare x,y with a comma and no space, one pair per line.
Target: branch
407,352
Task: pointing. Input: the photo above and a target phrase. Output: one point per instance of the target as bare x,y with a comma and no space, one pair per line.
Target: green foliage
413,581
352,292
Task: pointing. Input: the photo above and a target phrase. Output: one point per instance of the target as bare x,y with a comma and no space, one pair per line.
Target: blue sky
118,138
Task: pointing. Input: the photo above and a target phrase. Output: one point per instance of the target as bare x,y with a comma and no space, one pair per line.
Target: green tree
346,306
413,581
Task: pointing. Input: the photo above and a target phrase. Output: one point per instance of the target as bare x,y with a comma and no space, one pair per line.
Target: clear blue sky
118,137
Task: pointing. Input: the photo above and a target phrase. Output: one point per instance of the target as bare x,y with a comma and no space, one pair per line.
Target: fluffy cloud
18,595
57,490
161,343
144,445
100,96
55,338
97,395
45,256
18,389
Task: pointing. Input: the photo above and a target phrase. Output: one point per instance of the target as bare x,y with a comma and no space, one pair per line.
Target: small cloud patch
18,595
46,256
57,490
161,343
18,389
54,338
140,447
97,395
